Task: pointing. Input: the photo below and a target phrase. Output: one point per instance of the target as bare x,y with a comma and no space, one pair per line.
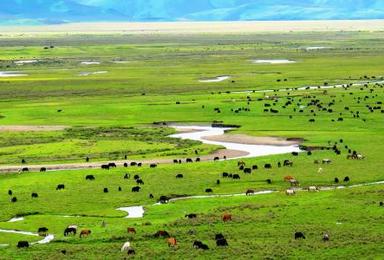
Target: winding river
191,132
199,133
138,211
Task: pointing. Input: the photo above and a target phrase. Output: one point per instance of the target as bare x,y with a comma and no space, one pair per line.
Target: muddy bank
246,139
238,147
31,128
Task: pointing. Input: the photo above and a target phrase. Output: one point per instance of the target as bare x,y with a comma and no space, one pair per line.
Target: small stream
47,239
138,211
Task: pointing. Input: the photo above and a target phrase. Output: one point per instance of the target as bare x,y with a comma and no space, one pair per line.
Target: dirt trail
31,128
94,165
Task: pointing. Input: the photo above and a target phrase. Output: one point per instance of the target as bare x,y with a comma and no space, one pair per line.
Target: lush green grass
263,227
104,143
176,66
108,117
140,111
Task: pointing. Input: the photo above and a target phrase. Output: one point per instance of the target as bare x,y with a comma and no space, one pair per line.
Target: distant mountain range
29,12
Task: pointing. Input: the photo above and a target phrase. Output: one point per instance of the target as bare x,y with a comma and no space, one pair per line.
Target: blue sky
61,11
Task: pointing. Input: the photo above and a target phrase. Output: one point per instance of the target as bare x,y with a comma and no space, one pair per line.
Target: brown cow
131,230
227,217
172,242
85,233
288,178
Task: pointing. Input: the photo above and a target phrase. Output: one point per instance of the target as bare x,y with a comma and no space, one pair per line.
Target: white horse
290,192
126,246
313,188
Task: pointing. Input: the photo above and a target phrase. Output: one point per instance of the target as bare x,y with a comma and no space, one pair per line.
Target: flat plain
99,95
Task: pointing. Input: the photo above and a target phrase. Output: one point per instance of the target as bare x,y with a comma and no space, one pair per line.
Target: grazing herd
219,239
172,242
235,176
314,106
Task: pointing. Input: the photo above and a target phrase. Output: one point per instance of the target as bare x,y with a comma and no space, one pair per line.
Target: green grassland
111,115
174,64
100,143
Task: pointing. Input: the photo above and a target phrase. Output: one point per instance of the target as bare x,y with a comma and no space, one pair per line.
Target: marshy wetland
282,117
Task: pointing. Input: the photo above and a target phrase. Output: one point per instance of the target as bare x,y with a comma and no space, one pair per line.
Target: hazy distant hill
59,11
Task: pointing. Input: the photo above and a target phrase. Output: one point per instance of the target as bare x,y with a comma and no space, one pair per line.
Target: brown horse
227,217
172,242
85,233
131,230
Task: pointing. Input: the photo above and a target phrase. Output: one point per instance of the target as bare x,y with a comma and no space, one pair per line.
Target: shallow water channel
252,150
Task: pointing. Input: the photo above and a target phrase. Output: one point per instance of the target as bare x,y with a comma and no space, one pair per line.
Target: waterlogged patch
92,73
22,62
10,74
217,79
133,212
46,240
16,219
90,63
315,48
273,61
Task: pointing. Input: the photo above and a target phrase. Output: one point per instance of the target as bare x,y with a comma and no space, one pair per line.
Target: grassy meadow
142,79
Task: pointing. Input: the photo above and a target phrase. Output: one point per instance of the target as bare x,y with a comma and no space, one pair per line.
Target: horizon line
190,27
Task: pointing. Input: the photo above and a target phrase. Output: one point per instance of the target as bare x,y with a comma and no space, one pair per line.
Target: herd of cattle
337,147
219,238
315,105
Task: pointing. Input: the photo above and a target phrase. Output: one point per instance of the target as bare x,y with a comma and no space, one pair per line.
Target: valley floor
63,112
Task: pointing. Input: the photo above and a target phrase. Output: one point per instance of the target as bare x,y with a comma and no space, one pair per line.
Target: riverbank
235,148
